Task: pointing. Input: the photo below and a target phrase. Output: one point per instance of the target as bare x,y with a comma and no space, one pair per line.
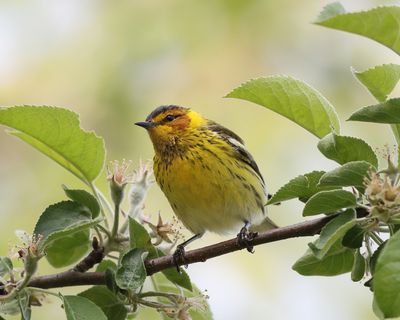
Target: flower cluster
382,190
163,231
183,304
30,244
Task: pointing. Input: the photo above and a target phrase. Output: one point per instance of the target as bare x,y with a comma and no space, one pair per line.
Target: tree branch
303,229
94,257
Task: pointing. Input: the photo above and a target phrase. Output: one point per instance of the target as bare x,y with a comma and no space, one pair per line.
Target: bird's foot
245,237
178,257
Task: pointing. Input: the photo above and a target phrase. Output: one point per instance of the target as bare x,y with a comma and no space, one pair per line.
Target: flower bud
30,262
141,183
118,178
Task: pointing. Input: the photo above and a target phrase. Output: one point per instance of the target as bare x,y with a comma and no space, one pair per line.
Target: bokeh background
114,61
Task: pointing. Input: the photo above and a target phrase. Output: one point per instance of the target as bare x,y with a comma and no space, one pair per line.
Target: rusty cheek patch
180,123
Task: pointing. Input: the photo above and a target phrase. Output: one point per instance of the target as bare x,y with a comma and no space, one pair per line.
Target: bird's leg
245,236
179,255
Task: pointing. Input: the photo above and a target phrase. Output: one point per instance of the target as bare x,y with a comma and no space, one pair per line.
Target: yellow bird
209,178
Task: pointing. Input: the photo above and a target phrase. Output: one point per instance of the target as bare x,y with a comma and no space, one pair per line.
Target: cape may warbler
209,178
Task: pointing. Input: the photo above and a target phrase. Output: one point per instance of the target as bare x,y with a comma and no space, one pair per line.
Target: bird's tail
266,224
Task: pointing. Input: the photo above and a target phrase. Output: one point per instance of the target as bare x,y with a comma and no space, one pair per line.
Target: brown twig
303,229
94,257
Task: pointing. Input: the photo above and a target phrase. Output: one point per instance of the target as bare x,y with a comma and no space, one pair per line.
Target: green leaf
61,220
344,149
161,284
107,301
13,306
60,216
331,10
381,24
24,306
106,264
85,198
332,232
68,249
110,280
132,272
80,308
56,133
375,257
386,112
396,132
336,261
376,310
380,80
179,278
138,236
358,270
328,202
387,278
350,174
302,187
6,266
292,99
10,307
354,237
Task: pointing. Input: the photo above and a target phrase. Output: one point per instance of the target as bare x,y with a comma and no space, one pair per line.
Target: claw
179,257
244,238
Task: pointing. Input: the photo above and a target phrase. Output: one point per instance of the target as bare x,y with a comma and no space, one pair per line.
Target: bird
209,178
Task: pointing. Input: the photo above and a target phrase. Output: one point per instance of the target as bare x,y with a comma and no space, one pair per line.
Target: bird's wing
238,145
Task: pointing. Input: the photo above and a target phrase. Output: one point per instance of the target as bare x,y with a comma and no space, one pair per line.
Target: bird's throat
169,149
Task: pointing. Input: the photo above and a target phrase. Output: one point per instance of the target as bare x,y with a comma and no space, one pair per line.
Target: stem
112,256
391,229
97,193
104,200
104,230
114,231
125,225
376,238
169,296
396,133
101,241
155,305
20,285
363,206
368,245
45,292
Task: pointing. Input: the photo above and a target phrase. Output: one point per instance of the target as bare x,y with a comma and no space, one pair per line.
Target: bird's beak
146,124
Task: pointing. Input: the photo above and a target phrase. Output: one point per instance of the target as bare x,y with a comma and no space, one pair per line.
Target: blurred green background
115,61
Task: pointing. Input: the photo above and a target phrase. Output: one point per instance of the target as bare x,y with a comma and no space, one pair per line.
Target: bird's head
166,125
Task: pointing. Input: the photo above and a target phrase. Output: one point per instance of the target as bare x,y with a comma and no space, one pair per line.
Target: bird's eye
169,117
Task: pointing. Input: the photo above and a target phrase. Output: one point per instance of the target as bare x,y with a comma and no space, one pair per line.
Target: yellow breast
209,189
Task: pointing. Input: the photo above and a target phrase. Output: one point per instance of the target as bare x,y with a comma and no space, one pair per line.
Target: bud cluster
30,253
141,182
382,190
119,177
182,305
163,231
